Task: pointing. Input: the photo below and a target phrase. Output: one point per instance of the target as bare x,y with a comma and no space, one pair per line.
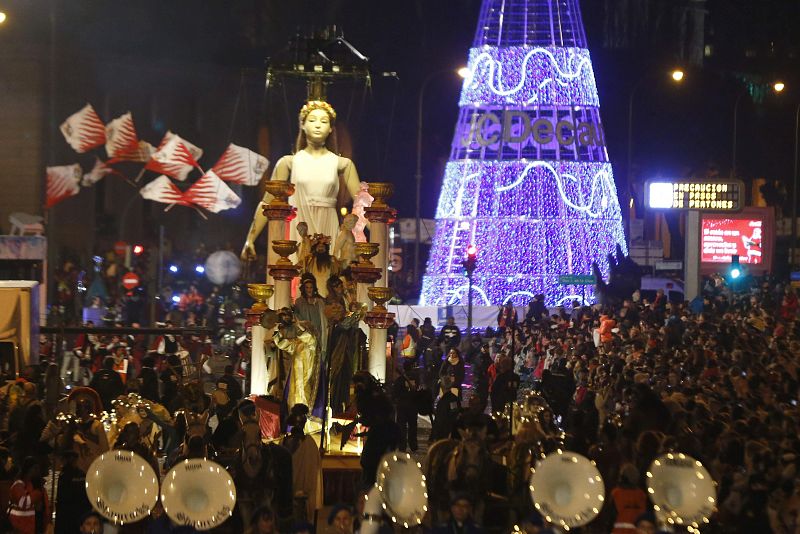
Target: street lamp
470,262
3,17
677,76
778,86
793,242
463,72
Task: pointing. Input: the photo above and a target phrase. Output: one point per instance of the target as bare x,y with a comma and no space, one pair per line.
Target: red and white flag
211,193
240,165
97,173
163,190
122,143
63,181
84,130
174,157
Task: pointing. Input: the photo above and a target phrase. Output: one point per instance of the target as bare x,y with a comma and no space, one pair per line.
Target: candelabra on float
380,216
379,320
365,273
257,370
283,271
278,213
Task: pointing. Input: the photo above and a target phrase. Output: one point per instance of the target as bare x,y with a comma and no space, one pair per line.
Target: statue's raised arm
323,180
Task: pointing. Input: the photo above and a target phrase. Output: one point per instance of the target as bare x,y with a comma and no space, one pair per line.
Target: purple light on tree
528,181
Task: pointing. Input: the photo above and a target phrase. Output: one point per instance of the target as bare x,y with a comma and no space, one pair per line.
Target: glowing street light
678,75
463,72
3,17
779,86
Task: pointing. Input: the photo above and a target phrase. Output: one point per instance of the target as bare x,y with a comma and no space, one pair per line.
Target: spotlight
463,72
199,269
176,299
779,86
735,270
677,75
173,268
3,17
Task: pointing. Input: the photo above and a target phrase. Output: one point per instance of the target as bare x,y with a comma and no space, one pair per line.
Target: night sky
677,131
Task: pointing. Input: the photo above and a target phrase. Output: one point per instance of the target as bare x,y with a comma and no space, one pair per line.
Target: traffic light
471,260
735,270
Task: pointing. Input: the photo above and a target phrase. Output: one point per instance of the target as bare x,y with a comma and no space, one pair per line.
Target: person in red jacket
29,510
607,324
629,500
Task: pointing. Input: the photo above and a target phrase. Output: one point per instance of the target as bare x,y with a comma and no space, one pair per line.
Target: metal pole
418,173
793,245
469,305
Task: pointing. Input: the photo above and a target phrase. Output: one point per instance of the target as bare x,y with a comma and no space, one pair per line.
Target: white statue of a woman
323,180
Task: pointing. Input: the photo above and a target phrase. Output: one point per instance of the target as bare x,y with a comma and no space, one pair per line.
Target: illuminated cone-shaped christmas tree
528,181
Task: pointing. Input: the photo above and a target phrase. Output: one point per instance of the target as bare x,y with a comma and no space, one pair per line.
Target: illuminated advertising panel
722,238
750,234
695,195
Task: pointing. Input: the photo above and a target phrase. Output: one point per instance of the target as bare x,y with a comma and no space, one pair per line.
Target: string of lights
532,219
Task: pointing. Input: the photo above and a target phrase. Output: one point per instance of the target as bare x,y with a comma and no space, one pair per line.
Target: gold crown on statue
311,105
316,239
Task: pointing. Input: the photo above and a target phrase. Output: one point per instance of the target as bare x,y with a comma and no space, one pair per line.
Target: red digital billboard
750,234
722,238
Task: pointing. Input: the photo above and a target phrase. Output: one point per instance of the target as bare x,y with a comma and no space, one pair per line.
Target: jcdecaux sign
514,126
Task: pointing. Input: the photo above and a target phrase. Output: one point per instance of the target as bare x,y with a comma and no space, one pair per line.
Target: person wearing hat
461,520
87,436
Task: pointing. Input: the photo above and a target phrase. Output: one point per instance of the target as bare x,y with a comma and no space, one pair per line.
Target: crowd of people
715,378
93,290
